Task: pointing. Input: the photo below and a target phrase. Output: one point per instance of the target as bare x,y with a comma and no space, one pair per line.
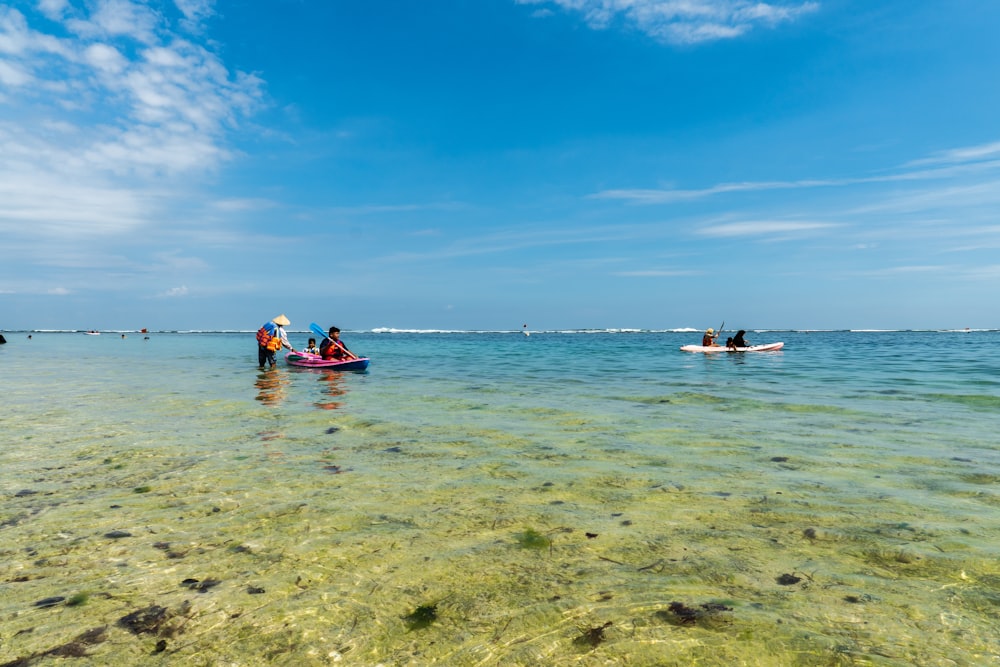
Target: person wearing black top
738,339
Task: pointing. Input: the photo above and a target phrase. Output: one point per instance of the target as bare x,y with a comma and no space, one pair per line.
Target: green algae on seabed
667,538
332,578
532,539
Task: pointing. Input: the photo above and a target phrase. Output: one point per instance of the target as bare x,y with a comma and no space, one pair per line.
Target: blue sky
483,164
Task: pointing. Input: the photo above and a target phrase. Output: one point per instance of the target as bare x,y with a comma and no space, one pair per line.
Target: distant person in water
270,338
311,347
708,340
333,348
738,339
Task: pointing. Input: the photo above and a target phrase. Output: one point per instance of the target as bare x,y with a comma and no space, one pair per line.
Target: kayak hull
769,347
304,360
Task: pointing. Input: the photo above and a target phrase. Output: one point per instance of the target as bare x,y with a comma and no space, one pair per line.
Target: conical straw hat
281,320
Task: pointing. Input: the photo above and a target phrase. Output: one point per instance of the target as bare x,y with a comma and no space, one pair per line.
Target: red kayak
306,360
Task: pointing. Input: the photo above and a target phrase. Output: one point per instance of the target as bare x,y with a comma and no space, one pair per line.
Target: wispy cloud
246,204
195,11
174,292
375,209
655,273
763,228
668,196
166,104
989,272
950,197
36,204
903,270
521,239
684,21
949,164
988,151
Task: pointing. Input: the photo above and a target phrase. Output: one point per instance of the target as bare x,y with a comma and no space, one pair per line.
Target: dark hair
312,341
334,330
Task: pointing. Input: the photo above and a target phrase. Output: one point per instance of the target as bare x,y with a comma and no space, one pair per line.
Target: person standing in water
270,338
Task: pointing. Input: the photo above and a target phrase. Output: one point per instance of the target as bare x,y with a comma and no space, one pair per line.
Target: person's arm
350,354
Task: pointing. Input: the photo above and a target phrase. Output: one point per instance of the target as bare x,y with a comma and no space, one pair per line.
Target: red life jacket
331,350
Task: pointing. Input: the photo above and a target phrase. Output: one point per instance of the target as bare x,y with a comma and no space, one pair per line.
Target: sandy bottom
320,537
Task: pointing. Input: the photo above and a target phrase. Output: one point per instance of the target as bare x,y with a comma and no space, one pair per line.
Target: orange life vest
267,340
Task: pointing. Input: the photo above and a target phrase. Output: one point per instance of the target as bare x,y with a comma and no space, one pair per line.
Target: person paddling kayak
333,348
708,340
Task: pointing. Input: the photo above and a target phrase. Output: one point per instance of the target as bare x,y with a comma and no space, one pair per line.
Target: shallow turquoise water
528,490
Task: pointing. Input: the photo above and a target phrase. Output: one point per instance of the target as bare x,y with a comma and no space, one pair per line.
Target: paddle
318,330
718,332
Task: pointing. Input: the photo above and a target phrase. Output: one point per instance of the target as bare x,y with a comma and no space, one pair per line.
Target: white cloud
948,164
908,270
950,197
164,105
45,205
18,40
53,9
247,204
118,18
988,151
176,292
105,58
763,228
685,21
58,291
654,273
195,11
13,75
989,272
174,261
667,196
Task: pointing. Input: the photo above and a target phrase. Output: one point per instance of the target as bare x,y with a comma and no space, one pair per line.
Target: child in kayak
311,347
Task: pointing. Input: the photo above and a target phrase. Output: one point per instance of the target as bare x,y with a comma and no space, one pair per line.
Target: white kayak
768,347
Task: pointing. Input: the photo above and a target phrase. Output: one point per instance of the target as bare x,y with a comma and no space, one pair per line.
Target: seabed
478,547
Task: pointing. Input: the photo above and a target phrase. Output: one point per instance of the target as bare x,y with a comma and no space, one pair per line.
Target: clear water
488,499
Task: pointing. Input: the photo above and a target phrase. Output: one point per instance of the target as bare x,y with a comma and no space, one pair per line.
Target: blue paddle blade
317,329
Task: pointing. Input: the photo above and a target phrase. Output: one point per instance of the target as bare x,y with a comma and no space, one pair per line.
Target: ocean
490,498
